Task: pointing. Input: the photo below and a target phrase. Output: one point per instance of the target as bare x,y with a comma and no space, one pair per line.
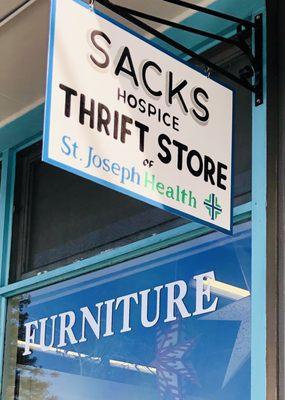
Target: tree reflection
28,381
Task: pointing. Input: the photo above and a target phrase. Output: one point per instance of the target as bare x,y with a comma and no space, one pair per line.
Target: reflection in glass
163,343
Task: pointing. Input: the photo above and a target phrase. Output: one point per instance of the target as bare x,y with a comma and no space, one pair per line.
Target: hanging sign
127,115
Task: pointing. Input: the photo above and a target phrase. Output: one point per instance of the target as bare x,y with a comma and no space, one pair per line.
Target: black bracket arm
250,77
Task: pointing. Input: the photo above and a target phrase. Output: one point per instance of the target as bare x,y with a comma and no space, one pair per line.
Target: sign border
47,115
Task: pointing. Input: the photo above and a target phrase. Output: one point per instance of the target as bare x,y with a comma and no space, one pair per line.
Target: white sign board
125,114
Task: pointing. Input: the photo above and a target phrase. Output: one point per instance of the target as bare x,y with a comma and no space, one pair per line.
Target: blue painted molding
259,217
244,9
124,253
3,308
6,210
22,129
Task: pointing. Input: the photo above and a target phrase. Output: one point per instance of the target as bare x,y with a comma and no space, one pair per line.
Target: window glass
172,325
60,218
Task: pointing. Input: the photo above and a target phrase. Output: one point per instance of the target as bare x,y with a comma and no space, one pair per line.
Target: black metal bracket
250,77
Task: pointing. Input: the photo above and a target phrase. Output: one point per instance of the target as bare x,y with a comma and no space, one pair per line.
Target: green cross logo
213,206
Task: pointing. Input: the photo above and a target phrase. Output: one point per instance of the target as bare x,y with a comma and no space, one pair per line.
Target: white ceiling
23,49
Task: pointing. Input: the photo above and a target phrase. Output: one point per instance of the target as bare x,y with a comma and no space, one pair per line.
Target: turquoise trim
244,9
29,142
259,216
3,307
133,250
6,211
22,129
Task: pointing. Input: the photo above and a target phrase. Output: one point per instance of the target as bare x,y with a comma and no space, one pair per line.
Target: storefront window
60,218
171,325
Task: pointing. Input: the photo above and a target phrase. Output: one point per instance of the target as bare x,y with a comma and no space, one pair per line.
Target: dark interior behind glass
60,218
